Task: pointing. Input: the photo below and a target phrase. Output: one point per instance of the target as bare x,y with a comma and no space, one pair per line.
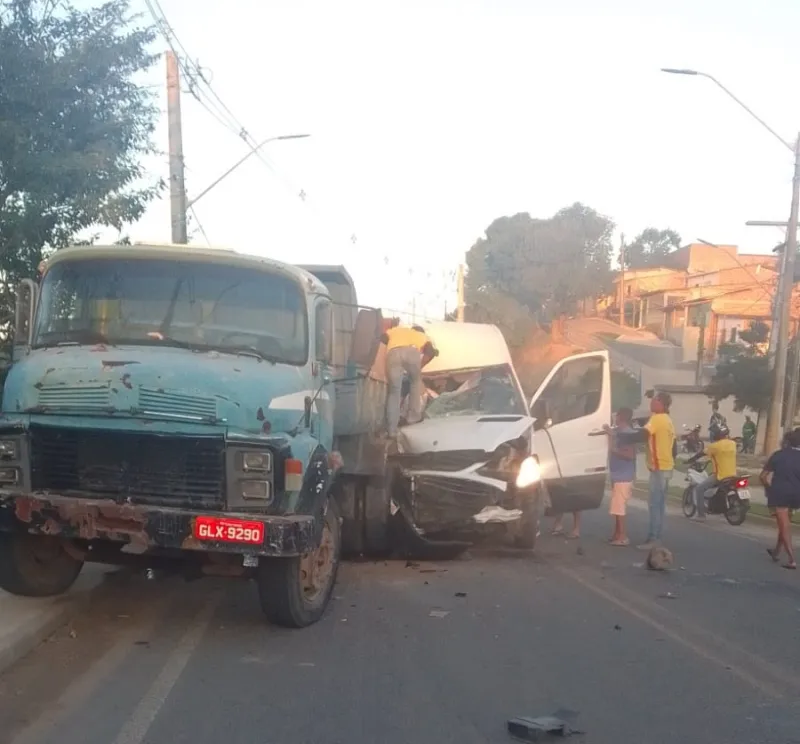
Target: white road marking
137,726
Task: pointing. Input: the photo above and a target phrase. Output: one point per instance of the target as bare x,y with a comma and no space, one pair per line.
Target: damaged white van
484,459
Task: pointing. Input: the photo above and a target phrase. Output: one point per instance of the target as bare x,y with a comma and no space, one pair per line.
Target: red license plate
229,530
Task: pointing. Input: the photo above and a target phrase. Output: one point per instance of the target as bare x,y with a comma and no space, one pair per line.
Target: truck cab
171,406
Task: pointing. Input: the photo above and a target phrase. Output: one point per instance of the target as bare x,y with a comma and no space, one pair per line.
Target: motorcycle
690,440
731,497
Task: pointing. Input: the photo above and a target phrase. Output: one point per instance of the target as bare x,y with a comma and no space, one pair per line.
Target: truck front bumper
148,527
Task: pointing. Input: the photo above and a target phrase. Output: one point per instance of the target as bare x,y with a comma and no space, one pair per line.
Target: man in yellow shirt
722,452
408,350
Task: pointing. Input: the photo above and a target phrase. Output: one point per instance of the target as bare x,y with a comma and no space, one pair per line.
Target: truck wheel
294,592
36,565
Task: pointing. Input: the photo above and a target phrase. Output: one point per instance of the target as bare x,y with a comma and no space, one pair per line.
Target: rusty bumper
147,527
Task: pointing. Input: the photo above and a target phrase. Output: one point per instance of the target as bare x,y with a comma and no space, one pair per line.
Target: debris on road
412,564
617,627
461,594
542,727
659,559
668,595
439,613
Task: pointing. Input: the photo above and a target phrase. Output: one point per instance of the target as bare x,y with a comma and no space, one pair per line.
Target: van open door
572,403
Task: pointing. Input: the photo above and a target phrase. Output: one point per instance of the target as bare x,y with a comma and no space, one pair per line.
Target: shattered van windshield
489,391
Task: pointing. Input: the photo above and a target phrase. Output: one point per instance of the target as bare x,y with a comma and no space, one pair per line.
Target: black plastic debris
461,594
542,728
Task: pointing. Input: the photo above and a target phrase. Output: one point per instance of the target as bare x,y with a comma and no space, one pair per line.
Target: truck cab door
570,407
324,402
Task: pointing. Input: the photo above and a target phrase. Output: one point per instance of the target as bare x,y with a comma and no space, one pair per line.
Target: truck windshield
190,304
489,391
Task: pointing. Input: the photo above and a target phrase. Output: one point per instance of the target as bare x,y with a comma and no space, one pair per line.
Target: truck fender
316,484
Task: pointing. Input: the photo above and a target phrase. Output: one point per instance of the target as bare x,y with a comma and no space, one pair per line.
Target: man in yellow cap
408,350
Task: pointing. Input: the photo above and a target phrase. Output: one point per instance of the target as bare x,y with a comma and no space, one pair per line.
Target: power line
199,225
201,89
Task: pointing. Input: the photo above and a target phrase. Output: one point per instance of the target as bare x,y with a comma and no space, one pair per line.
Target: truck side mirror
25,309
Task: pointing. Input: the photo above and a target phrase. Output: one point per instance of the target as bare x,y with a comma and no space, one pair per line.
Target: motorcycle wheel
736,512
739,444
687,502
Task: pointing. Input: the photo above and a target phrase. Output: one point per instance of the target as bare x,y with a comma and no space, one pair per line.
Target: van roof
466,346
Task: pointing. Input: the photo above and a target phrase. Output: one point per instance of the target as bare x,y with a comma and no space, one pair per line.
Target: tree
74,126
527,269
651,247
743,371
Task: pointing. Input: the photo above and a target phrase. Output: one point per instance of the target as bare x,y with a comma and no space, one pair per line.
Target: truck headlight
529,472
258,462
8,449
254,489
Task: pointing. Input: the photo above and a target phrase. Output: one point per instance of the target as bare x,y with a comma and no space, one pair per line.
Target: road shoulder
25,623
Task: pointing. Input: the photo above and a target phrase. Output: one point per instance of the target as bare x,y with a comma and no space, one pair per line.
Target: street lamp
230,170
785,298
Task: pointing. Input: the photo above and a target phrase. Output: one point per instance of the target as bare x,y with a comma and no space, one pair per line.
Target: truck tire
294,592
36,565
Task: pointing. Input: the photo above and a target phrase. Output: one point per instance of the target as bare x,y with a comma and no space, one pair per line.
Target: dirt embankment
543,349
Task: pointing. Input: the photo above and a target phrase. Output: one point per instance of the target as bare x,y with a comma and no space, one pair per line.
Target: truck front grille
130,467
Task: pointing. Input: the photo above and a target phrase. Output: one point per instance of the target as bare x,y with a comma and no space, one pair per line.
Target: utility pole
761,422
460,288
701,350
622,280
772,439
794,378
177,186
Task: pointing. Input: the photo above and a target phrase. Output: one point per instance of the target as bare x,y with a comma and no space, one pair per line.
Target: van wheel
294,592
36,565
530,523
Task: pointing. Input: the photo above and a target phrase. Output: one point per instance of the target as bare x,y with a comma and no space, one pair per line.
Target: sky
431,118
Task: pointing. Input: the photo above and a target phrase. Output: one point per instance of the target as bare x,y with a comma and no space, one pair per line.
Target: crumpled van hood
468,432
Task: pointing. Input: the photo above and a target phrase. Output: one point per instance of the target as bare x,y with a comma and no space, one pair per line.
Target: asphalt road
707,652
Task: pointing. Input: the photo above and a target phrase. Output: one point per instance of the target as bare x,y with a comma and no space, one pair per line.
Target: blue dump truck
199,410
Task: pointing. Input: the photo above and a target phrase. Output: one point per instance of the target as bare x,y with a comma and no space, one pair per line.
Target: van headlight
529,473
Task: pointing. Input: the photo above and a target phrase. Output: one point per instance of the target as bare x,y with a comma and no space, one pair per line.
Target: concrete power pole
774,417
622,280
177,186
460,288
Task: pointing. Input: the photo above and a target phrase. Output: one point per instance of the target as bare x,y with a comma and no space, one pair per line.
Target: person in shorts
781,479
622,470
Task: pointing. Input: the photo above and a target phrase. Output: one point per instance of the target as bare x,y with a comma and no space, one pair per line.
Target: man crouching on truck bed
408,350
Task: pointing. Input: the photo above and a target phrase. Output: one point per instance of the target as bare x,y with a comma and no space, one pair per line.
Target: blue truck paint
170,393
